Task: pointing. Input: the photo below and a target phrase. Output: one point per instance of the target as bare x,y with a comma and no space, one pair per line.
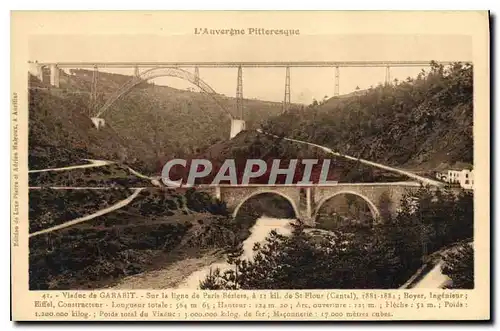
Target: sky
261,83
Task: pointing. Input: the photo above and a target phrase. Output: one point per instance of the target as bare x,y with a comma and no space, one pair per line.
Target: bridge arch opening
267,203
346,209
164,72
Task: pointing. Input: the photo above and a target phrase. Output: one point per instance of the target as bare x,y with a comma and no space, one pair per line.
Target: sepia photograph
397,210
232,157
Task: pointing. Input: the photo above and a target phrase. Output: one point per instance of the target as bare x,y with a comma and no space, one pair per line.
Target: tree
459,266
306,261
408,122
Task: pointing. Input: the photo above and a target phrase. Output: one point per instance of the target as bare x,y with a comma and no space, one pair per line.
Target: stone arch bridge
383,199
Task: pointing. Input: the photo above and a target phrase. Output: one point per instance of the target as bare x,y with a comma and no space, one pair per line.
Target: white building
463,177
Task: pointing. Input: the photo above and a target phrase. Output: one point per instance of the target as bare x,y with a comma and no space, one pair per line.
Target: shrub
299,262
459,266
382,257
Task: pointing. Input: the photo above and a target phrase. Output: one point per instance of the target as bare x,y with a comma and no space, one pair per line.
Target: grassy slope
158,228
109,175
141,131
143,128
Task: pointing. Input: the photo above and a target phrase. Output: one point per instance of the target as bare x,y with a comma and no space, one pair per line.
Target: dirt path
101,212
92,164
100,163
169,277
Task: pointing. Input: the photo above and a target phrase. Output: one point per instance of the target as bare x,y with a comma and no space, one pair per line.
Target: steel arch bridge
163,72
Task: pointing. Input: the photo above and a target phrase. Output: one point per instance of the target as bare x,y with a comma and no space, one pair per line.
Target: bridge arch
163,72
248,197
373,209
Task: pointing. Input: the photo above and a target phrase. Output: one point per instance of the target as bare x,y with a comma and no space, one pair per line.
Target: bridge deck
233,64
207,186
412,184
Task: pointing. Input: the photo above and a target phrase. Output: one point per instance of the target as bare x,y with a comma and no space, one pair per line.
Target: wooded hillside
424,122
144,127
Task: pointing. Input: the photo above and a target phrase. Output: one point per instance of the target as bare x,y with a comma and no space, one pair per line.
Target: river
187,273
258,233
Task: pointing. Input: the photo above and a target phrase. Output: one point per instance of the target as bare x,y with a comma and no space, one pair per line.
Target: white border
191,5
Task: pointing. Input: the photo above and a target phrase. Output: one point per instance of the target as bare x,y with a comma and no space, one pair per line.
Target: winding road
92,164
421,179
101,212
98,163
